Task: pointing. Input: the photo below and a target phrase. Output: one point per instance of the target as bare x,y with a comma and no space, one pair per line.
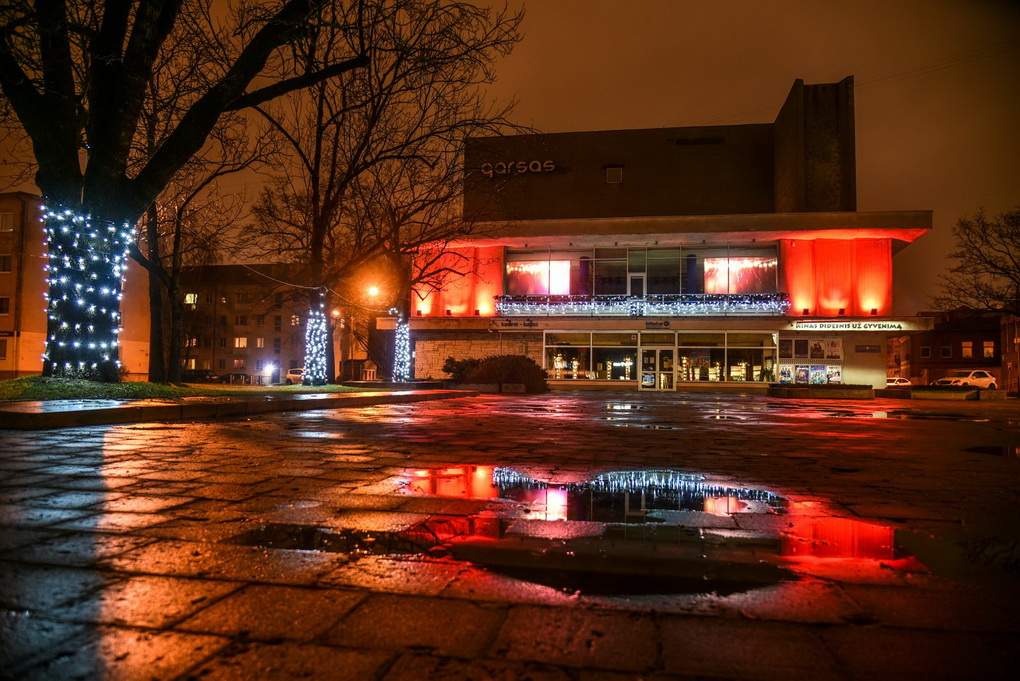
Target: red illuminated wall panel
827,275
476,277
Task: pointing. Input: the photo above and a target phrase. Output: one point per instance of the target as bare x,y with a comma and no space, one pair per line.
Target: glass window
295,320
729,270
636,260
190,298
568,363
663,276
538,277
240,341
750,340
241,319
6,222
614,339
926,352
988,349
701,339
967,349
567,339
239,363
5,305
614,364
658,339
221,364
700,364
260,342
3,348
276,346
946,351
277,323
610,277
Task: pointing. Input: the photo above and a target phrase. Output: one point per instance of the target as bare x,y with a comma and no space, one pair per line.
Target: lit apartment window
988,349
967,349
6,222
190,364
241,320
5,263
946,351
191,343
240,341
295,320
260,342
191,299
925,352
5,305
239,364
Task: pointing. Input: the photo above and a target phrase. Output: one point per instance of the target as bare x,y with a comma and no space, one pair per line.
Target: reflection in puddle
1009,451
616,533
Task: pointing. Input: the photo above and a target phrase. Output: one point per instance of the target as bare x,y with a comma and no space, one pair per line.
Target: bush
510,369
460,368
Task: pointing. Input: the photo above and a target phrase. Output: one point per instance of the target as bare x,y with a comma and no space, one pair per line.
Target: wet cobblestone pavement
564,536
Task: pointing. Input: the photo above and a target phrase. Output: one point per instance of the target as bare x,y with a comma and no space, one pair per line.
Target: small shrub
510,369
460,368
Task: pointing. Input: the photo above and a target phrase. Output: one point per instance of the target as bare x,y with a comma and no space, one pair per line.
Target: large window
701,356
640,271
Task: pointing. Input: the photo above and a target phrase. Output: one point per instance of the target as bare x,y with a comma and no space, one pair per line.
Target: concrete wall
667,171
432,349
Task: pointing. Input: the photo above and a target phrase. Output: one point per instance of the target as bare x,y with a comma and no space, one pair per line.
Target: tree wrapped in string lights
316,339
74,75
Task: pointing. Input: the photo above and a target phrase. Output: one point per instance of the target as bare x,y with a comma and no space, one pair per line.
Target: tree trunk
157,352
174,360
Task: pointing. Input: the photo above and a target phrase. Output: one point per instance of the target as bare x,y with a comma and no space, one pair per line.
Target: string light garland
402,351
316,337
85,268
673,305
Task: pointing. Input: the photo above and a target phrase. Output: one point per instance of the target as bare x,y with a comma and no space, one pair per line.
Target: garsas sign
517,167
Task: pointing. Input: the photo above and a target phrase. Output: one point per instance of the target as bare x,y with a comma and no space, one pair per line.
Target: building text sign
859,325
517,167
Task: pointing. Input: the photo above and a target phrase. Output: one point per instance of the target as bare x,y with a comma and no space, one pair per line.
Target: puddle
1008,451
620,534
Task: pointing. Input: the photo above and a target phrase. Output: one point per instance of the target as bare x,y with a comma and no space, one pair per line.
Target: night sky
937,90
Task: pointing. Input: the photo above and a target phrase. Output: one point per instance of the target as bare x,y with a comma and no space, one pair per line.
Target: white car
976,378
294,376
896,382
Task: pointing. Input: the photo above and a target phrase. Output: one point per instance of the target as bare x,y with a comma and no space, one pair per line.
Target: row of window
241,297
239,342
967,349
240,364
642,271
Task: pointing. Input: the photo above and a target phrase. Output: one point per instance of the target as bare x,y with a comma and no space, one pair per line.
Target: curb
23,419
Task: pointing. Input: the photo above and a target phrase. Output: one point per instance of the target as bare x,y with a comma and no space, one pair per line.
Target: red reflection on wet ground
830,537
471,482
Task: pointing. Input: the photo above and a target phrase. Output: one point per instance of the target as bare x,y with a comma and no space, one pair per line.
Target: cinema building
722,257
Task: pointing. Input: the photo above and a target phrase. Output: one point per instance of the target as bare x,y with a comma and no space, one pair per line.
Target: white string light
402,351
85,272
316,337
678,305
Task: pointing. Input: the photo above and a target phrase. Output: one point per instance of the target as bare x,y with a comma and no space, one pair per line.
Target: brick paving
119,555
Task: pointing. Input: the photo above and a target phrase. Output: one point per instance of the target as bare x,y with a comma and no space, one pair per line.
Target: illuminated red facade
727,255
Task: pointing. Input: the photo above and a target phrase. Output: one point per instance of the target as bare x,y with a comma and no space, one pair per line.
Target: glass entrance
657,369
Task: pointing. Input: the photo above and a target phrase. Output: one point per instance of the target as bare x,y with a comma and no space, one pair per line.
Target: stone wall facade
432,348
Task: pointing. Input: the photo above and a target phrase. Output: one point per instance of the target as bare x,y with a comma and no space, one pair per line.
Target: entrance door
637,285
658,370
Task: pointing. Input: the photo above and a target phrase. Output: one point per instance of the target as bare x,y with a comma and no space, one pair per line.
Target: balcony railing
673,305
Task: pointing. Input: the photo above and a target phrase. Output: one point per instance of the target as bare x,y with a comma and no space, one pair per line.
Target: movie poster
834,374
802,374
817,348
785,373
785,348
800,348
834,349
817,373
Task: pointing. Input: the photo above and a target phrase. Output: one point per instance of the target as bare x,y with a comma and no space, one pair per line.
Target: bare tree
414,105
986,274
75,75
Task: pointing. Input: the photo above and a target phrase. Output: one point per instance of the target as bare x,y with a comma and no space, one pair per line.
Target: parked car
294,376
976,378
240,379
198,376
897,382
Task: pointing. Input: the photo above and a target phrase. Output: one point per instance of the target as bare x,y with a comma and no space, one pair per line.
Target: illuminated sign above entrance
864,325
517,167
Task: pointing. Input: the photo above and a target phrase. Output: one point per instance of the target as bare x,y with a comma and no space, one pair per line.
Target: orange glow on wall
476,276
825,276
829,537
